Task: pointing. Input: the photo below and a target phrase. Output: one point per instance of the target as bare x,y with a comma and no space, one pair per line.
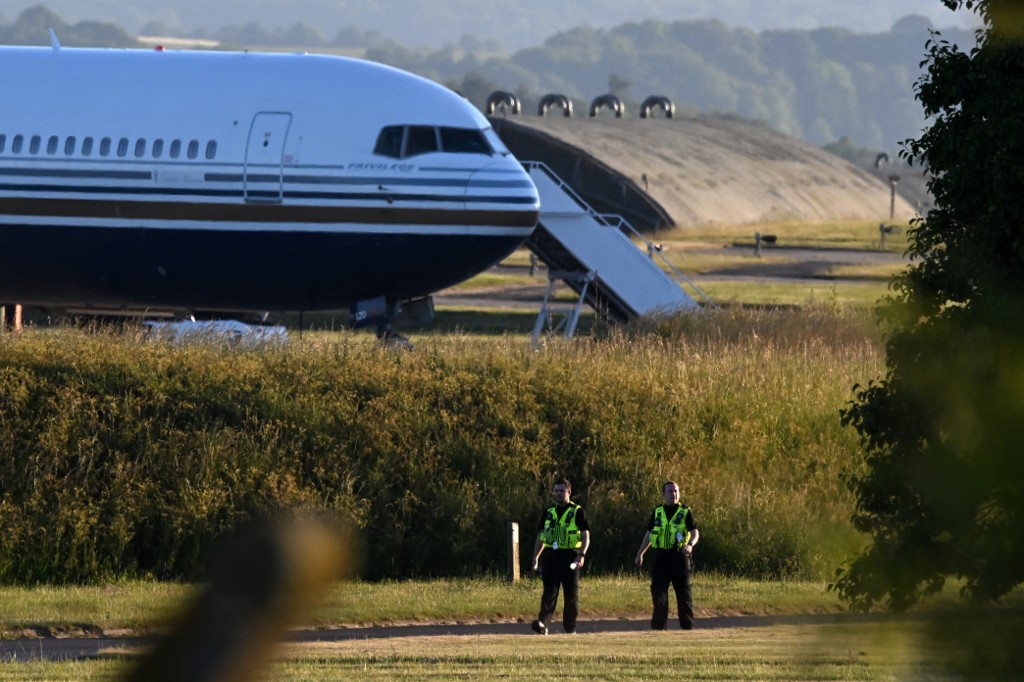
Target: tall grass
121,457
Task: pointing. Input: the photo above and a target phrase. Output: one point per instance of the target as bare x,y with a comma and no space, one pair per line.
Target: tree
33,28
942,491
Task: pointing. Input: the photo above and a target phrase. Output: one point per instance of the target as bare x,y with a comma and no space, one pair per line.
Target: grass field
142,607
865,651
721,261
732,372
854,652
856,294
858,235
810,647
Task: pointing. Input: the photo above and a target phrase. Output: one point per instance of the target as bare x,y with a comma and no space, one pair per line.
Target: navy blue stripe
48,173
397,182
264,213
93,189
396,198
63,191
438,169
290,179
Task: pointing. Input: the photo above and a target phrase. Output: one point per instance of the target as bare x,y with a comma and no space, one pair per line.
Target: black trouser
555,572
671,567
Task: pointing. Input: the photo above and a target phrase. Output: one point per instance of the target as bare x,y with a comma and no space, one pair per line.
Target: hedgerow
123,457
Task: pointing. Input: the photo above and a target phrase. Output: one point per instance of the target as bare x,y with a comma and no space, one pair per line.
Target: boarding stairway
594,255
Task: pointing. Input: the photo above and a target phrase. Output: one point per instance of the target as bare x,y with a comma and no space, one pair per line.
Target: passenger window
211,149
3,142
140,148
105,146
69,146
122,147
464,141
158,148
86,146
33,144
175,149
52,144
193,149
17,143
421,140
389,142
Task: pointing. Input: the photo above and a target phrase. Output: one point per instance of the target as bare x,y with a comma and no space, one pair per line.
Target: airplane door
264,155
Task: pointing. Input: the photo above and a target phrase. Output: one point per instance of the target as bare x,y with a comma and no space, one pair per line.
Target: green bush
121,457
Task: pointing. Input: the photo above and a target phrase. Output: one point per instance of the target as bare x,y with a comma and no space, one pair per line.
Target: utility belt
561,552
675,551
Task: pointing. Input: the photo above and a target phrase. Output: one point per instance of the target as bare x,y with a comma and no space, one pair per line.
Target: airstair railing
616,221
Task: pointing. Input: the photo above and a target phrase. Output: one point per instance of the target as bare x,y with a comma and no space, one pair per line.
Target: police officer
672,532
563,537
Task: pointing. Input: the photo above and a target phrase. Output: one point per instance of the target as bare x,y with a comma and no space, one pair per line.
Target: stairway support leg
574,316
544,317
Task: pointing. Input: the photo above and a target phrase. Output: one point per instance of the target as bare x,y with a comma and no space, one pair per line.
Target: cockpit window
496,144
463,141
420,140
389,142
401,142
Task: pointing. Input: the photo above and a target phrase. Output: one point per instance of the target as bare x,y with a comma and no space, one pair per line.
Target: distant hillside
32,27
820,85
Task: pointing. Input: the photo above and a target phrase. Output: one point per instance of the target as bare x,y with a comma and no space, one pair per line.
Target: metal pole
893,181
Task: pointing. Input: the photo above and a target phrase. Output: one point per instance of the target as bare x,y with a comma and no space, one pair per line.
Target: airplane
184,182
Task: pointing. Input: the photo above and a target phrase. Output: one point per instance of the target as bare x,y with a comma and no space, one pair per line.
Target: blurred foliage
942,495
122,457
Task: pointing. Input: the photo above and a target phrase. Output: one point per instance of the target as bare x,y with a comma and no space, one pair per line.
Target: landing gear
390,339
386,334
383,313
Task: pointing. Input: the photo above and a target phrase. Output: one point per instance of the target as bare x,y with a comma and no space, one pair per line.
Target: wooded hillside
821,85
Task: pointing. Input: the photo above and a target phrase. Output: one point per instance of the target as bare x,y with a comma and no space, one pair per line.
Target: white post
512,537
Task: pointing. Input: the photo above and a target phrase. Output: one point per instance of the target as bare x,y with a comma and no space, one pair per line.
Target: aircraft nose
503,182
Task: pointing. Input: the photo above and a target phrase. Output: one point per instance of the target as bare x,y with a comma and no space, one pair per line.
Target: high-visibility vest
562,533
670,533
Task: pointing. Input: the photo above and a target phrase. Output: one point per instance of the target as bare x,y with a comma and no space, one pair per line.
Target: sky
509,24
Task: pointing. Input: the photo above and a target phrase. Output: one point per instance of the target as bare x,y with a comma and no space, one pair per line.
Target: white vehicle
233,332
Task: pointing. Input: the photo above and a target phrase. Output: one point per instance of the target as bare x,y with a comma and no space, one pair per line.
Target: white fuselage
237,181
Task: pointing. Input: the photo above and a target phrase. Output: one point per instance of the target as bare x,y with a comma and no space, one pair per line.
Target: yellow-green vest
562,533
670,533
